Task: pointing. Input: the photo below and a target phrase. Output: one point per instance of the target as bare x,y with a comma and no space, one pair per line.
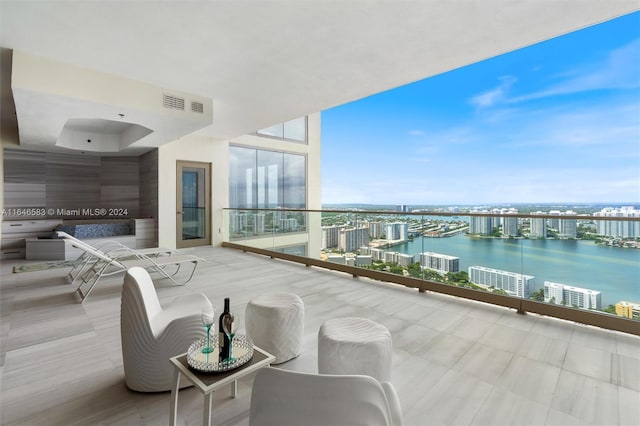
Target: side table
207,383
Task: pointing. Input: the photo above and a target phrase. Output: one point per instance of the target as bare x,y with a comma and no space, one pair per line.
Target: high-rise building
364,250
628,309
258,223
289,224
238,221
568,228
562,294
405,259
481,225
377,254
330,236
538,227
361,260
510,226
439,262
391,257
512,283
376,229
352,238
618,228
397,231
553,222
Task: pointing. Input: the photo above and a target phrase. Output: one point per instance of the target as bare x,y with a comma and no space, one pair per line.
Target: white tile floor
455,361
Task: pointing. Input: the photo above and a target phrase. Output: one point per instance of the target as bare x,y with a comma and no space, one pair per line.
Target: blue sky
555,122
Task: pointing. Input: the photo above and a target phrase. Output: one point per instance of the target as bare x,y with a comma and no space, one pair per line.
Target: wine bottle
223,340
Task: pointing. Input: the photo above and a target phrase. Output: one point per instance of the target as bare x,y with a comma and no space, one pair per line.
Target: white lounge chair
106,265
111,248
151,334
282,397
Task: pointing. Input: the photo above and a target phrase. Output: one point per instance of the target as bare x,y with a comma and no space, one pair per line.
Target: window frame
283,137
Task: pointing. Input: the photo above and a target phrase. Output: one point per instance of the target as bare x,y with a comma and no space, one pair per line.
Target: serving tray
241,352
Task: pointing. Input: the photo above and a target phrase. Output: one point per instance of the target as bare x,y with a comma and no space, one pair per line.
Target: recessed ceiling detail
99,135
61,106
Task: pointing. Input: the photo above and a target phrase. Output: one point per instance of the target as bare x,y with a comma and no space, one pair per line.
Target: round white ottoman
275,323
355,346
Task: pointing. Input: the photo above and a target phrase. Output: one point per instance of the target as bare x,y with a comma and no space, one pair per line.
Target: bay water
614,271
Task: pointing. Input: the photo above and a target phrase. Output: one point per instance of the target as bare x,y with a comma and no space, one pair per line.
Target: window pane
270,171
266,179
276,131
295,176
296,129
193,203
242,177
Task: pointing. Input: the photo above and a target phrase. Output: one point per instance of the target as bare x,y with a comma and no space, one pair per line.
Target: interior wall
191,148
24,181
149,184
8,119
120,185
71,186
1,187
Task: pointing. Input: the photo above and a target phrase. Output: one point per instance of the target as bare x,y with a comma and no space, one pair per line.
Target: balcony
455,361
581,267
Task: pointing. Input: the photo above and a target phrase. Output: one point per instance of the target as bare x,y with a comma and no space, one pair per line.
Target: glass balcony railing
572,266
283,231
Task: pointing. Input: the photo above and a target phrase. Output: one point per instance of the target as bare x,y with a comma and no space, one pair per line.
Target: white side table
207,383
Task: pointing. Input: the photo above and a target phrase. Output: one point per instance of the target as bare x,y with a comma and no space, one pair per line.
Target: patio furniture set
352,385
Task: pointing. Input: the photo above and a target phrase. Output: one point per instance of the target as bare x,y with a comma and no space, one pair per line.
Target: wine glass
207,315
230,325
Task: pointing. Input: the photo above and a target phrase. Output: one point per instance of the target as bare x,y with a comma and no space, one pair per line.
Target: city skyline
558,121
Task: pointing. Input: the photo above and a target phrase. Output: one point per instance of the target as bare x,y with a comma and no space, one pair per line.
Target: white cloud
618,71
493,96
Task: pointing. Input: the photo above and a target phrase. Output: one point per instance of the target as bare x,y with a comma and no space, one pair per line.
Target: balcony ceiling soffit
264,62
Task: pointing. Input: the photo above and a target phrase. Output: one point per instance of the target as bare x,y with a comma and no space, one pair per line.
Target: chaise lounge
118,260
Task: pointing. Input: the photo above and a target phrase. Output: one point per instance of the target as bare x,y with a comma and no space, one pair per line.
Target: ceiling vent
173,102
197,107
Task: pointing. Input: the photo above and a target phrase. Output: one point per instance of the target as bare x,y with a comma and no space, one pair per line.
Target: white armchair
282,397
151,335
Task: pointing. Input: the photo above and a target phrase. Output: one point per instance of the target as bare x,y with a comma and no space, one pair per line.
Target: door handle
179,212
